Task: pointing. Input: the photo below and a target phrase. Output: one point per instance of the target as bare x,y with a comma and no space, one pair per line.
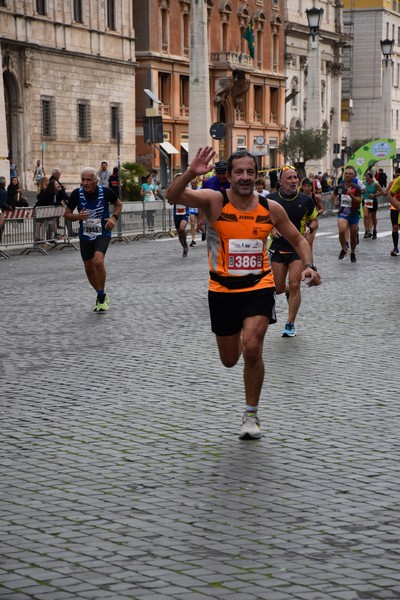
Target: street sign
153,130
218,131
337,162
260,149
43,145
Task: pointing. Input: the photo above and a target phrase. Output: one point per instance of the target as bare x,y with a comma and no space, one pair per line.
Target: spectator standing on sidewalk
148,192
3,204
241,285
38,173
13,168
113,182
95,227
104,174
381,178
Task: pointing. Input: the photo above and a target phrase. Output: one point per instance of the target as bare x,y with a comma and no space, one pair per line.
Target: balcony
165,110
183,111
232,60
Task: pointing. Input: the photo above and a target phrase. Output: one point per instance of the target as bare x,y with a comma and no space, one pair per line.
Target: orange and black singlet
237,254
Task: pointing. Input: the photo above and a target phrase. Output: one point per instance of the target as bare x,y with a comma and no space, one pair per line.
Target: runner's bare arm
71,216
394,201
281,221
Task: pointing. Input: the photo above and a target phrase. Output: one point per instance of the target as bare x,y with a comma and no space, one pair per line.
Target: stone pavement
122,475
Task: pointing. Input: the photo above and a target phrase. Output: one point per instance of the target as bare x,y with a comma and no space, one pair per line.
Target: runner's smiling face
243,176
289,181
88,181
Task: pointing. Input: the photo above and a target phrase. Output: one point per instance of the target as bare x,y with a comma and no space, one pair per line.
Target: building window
116,124
111,14
164,31
225,37
3,3
78,11
164,92
41,7
48,120
274,97
186,34
258,103
83,120
275,54
184,96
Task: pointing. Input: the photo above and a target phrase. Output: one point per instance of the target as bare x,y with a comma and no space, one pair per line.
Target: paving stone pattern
122,475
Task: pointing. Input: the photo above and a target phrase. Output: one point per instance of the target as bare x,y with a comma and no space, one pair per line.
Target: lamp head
387,48
314,18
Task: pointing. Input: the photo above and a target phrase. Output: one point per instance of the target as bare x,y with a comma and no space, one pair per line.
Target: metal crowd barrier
150,220
35,229
43,228
329,205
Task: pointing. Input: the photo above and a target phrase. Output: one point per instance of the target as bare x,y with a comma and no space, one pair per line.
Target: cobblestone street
122,475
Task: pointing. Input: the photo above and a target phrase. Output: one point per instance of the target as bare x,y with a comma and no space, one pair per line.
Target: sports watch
311,266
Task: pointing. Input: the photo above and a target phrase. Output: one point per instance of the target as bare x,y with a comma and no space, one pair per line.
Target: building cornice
303,31
64,52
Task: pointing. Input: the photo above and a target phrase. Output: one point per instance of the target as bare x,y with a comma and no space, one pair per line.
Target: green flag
249,36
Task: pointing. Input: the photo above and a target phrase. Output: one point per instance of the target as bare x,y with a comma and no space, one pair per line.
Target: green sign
366,156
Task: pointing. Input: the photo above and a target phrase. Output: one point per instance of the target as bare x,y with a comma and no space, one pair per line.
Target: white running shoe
251,427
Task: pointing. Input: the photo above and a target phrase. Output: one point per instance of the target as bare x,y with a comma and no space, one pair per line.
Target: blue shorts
351,219
193,211
179,218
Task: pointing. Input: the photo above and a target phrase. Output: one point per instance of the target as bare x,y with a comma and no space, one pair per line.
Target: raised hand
200,163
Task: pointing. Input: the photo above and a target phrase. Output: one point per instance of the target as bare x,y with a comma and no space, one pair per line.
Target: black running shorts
89,247
228,310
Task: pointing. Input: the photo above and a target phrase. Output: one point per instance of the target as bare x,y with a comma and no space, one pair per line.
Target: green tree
130,180
301,145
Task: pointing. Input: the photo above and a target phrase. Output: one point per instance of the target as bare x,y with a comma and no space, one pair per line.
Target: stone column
313,116
199,79
4,164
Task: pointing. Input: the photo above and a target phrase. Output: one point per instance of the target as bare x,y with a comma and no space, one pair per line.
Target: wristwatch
311,266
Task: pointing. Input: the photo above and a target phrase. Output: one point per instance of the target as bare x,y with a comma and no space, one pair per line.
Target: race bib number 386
245,257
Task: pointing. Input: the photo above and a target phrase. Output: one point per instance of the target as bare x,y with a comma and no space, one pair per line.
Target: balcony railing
183,111
232,60
165,110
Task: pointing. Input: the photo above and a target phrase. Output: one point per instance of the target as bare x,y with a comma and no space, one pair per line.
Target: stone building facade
331,41
366,99
246,94
68,83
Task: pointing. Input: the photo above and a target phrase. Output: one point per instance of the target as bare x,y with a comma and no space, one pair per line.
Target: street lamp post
313,111
313,115
387,47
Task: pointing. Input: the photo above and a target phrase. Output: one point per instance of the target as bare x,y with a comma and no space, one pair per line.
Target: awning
169,148
185,146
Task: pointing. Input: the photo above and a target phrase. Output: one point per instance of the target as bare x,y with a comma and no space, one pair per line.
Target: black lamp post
387,48
314,18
